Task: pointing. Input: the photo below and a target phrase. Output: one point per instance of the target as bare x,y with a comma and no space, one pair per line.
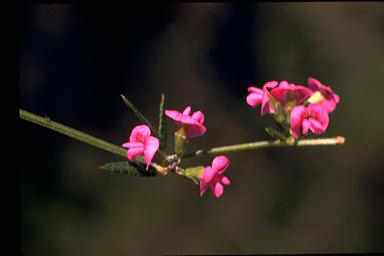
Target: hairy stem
86,138
265,144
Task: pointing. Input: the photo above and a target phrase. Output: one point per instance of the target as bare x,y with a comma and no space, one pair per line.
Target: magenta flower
140,142
313,117
213,176
288,92
193,125
283,92
255,96
259,96
330,98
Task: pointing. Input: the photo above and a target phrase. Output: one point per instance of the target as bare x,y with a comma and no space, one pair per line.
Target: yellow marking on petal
316,97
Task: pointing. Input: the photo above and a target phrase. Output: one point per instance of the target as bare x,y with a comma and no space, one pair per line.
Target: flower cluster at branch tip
192,124
295,107
213,176
140,142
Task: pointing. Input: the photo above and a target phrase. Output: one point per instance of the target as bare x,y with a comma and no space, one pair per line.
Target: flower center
140,137
290,95
311,114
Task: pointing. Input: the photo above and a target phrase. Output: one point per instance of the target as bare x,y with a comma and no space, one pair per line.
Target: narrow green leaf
162,124
134,168
276,134
139,115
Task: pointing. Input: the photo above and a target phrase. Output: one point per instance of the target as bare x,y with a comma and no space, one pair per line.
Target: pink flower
287,92
330,98
259,96
213,176
140,142
313,117
283,92
193,125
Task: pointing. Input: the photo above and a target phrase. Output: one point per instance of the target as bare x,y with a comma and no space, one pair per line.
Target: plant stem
46,122
265,144
86,138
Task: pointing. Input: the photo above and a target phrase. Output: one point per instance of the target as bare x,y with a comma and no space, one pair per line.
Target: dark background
75,61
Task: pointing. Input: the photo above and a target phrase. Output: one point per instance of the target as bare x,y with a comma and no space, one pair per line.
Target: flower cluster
296,108
188,126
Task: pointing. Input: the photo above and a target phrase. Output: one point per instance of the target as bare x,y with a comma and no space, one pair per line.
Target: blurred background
75,61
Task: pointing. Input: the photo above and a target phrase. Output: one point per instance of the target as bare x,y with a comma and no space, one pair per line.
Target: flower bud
194,173
180,141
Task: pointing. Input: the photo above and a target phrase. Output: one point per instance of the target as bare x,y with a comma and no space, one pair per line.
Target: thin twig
86,138
265,144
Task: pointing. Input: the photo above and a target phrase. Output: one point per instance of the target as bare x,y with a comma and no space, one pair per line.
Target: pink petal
220,164
187,110
195,130
285,85
302,93
279,94
254,99
328,105
139,133
306,125
206,180
270,85
314,84
315,126
150,147
255,90
218,189
337,97
208,175
198,116
296,118
134,152
203,188
266,106
225,180
317,112
133,145
173,114
331,98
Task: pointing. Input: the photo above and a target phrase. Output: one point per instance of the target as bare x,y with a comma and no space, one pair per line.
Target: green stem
46,122
265,144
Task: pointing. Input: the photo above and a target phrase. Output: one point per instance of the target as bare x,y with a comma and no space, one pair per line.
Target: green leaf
276,134
162,124
139,115
134,168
